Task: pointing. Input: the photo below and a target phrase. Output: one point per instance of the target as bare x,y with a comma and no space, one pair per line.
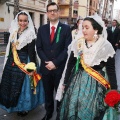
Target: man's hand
50,65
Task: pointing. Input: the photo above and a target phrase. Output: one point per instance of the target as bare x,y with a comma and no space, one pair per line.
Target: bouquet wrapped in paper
34,76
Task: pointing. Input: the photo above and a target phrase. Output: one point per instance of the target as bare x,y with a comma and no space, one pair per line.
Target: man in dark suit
52,44
111,60
113,34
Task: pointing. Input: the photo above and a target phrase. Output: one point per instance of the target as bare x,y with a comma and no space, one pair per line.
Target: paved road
36,114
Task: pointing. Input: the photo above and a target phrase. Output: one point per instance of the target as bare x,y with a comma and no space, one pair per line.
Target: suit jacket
55,52
113,36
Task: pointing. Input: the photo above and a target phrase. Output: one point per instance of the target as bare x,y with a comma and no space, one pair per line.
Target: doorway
41,19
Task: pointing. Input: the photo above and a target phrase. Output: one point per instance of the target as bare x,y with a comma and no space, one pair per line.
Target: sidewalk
36,114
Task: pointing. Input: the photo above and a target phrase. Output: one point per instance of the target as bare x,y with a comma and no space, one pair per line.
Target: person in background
74,27
113,35
76,31
84,83
16,92
109,32
52,45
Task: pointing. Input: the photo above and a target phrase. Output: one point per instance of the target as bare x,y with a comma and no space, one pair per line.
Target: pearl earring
95,35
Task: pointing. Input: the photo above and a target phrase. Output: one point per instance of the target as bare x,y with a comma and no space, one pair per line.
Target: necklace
20,32
90,45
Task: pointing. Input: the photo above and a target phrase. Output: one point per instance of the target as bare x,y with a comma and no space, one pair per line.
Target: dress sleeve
110,68
31,51
70,65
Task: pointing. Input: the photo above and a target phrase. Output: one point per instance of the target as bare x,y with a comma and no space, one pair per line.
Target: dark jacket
113,36
55,52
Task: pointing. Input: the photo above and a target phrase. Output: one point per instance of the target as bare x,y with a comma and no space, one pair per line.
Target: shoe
22,114
47,117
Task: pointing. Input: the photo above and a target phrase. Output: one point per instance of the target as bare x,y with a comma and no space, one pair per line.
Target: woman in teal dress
16,93
84,92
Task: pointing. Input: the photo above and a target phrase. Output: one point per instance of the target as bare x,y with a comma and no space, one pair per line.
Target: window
75,12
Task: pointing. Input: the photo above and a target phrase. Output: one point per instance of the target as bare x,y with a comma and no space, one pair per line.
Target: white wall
8,17
37,19
83,11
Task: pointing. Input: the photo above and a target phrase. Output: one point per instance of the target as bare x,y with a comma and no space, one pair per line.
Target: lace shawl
25,38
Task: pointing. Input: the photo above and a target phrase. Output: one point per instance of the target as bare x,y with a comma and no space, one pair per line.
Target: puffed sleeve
70,65
110,68
31,51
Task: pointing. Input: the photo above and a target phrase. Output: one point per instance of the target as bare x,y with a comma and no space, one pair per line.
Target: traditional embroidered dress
83,97
15,88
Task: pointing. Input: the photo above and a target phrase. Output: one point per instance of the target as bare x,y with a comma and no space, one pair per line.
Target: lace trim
101,51
105,59
24,39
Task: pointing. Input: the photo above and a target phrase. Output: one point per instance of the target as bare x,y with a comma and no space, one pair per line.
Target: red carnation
112,98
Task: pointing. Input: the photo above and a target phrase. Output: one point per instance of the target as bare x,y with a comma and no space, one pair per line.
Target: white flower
30,66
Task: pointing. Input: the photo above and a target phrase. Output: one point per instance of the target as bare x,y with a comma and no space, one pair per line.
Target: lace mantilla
25,38
99,52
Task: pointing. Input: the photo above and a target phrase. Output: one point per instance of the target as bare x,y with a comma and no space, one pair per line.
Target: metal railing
4,36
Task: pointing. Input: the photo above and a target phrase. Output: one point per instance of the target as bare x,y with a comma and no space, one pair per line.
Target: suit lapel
48,32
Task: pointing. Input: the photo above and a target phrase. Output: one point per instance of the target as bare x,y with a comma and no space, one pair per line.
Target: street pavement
36,114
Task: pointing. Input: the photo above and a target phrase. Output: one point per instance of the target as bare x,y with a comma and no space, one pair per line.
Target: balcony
3,1
64,2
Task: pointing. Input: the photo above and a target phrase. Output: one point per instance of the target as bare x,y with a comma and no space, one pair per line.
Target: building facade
105,9
84,8
71,10
36,9
93,6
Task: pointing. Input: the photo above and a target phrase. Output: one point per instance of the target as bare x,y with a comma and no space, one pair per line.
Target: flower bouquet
34,77
30,67
112,99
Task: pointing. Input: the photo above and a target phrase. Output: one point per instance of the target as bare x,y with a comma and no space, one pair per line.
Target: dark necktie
52,34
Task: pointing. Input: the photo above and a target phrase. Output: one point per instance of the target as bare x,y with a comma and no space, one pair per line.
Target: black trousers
50,83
